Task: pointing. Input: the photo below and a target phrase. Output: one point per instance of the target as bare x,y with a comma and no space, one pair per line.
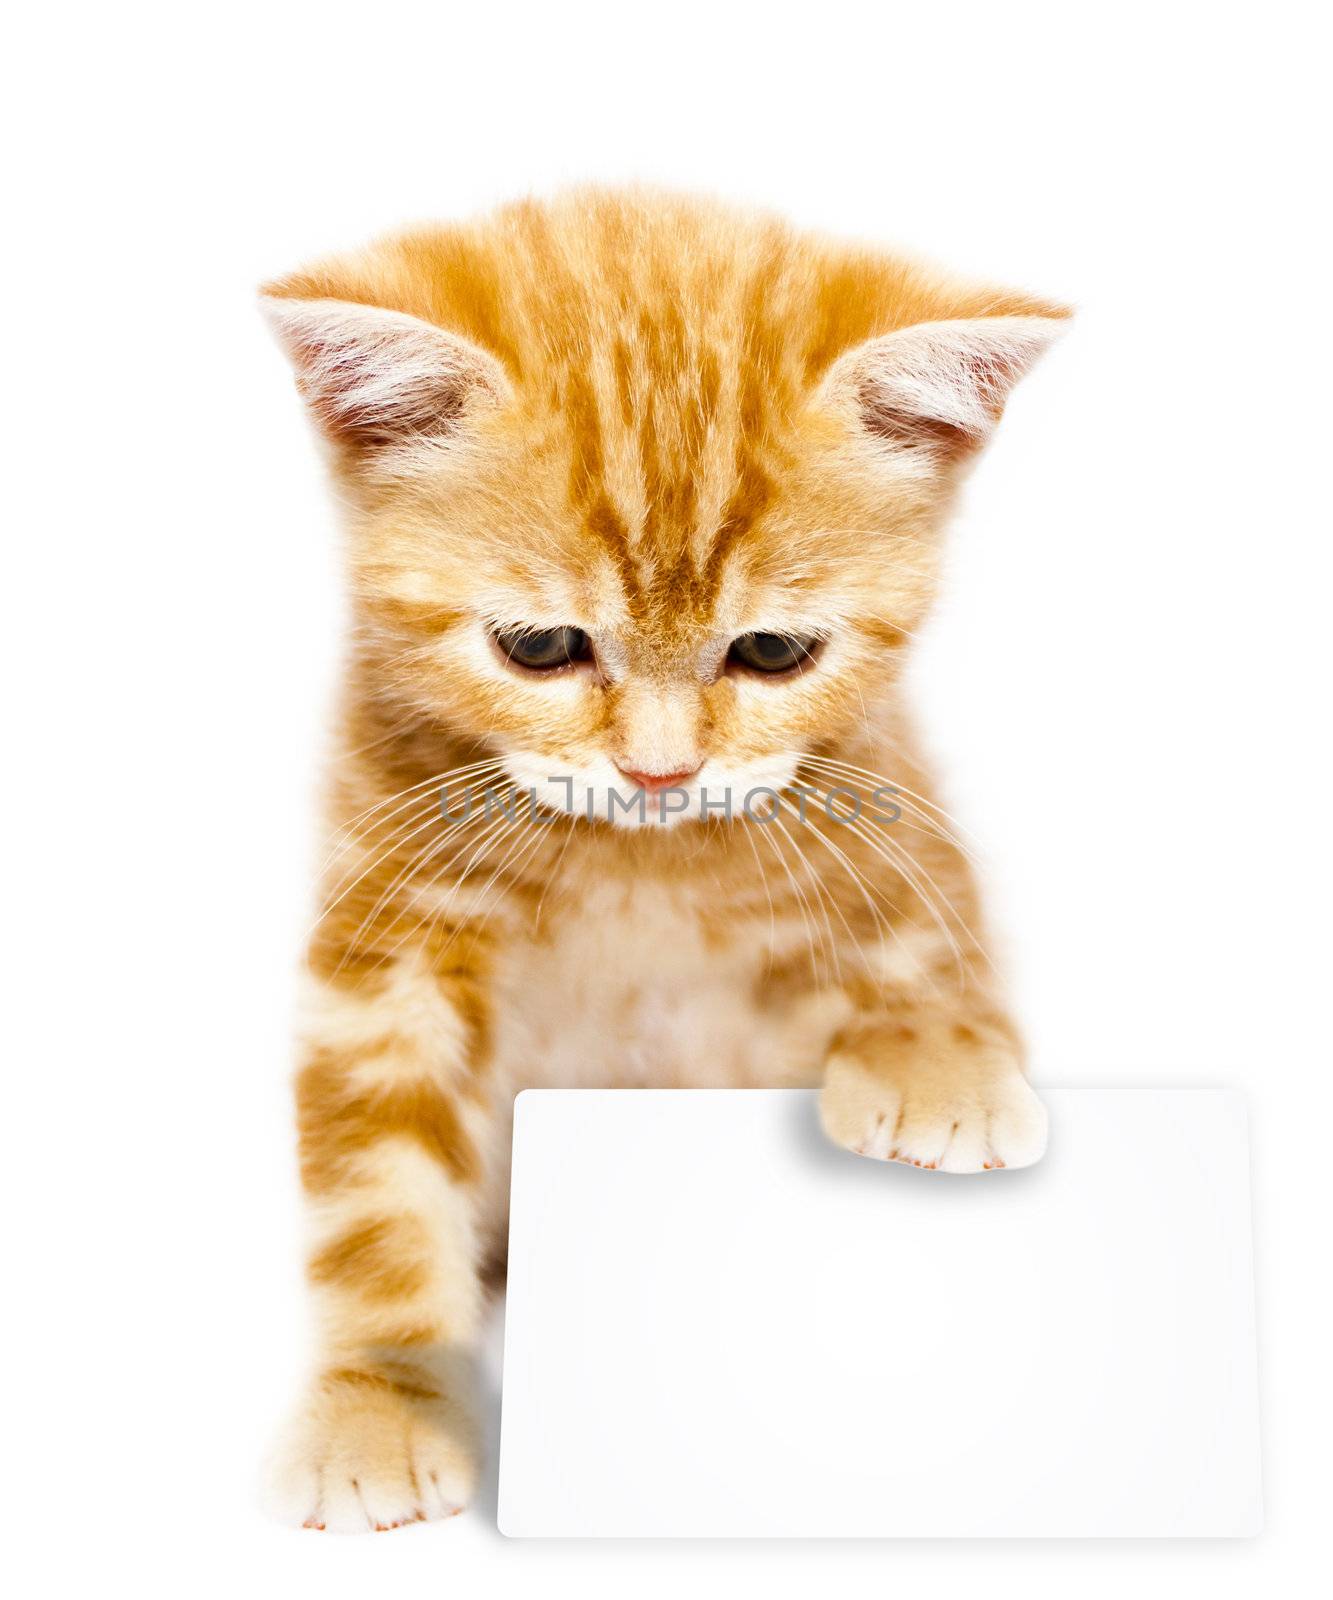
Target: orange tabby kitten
644,500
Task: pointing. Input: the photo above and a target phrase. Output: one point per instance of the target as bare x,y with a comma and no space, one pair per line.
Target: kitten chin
600,793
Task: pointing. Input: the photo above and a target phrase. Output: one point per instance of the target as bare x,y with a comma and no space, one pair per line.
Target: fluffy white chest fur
631,991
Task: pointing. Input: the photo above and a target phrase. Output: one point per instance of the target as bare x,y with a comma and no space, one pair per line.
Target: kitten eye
544,649
771,652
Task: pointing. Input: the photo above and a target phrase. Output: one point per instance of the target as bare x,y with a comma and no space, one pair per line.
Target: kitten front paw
363,1454
933,1094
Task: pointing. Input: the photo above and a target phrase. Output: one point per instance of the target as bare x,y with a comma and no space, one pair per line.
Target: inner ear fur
941,386
375,378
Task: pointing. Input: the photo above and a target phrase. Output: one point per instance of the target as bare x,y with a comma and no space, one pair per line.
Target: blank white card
718,1325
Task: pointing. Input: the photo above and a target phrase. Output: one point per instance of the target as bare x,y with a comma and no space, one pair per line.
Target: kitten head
644,490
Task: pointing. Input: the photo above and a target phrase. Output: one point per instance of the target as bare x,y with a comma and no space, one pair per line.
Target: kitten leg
391,1127
933,1086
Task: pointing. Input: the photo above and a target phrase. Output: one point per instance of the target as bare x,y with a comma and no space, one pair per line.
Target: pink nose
654,781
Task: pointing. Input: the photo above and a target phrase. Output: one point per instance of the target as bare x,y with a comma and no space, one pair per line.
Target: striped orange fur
672,433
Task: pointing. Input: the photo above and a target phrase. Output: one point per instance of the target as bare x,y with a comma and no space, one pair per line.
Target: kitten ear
941,386
375,378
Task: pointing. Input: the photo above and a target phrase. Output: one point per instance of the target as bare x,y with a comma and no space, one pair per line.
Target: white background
1127,686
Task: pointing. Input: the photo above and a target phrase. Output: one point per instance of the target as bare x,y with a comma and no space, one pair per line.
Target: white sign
719,1325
